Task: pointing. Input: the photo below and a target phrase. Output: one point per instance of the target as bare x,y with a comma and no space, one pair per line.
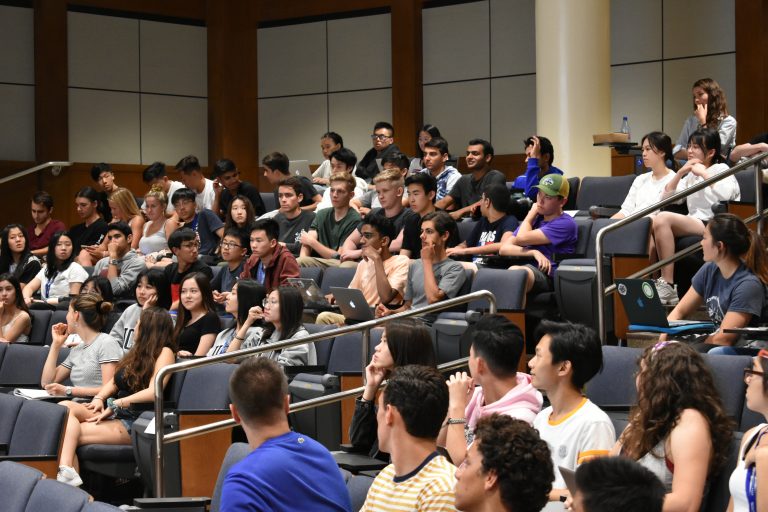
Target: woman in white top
60,278
157,230
329,142
244,302
679,429
710,110
647,188
749,481
704,161
15,322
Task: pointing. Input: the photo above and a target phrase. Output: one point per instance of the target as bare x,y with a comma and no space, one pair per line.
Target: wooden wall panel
751,68
189,9
407,104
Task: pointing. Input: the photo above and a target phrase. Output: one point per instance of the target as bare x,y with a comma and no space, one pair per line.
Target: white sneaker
667,292
69,476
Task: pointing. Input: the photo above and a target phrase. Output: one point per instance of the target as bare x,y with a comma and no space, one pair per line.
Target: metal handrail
603,292
56,169
195,363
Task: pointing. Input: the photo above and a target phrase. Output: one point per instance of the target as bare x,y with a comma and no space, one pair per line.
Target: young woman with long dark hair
244,302
16,256
15,322
107,419
60,278
197,323
282,313
152,290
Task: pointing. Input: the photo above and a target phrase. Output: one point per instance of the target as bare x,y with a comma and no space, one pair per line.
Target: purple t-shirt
561,233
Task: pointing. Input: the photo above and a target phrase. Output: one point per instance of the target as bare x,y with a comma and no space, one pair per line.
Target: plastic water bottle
625,126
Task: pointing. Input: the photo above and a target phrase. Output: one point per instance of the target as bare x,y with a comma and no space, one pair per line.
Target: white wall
137,90
17,84
323,76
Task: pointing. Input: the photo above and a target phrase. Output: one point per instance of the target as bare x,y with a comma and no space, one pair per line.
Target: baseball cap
554,185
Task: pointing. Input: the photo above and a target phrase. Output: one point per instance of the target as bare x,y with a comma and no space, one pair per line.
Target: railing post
759,197
159,433
600,286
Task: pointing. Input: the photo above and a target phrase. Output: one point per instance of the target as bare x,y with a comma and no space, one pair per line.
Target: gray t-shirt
124,328
450,277
84,361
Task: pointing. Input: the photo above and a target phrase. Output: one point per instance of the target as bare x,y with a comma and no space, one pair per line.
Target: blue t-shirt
289,472
561,232
486,232
531,178
742,292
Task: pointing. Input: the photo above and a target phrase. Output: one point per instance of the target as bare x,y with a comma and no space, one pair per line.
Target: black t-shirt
412,237
307,191
467,191
87,235
206,223
485,232
290,229
174,277
247,190
189,338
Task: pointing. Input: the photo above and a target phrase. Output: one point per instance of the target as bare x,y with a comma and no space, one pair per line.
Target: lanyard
48,286
751,482
225,346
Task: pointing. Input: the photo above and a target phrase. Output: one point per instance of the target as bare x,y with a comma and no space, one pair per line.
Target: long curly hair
717,105
155,332
674,377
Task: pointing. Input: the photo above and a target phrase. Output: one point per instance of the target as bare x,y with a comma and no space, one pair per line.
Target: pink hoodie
522,402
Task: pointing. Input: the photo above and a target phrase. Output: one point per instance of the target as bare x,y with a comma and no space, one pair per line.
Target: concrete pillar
573,82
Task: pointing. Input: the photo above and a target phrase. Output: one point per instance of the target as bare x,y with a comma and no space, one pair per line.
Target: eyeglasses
269,302
378,136
190,245
229,245
749,372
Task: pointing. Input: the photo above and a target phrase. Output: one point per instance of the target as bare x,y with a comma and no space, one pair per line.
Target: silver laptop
310,292
352,304
299,168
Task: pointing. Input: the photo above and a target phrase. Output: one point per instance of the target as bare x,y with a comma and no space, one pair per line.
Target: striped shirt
84,361
427,488
583,434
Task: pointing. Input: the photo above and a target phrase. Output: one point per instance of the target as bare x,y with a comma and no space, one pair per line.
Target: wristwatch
114,262
68,390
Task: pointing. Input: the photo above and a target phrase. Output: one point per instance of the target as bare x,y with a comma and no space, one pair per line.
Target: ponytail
756,258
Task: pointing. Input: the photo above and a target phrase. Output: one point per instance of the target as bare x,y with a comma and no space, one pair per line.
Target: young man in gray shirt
434,277
291,218
123,264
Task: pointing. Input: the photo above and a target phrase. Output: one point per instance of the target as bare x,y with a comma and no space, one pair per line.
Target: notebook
352,304
299,168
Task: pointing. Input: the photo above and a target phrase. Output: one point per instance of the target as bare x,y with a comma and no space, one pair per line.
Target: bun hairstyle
93,309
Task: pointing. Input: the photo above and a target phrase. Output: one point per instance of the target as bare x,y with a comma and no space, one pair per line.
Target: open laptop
310,292
644,308
352,304
299,168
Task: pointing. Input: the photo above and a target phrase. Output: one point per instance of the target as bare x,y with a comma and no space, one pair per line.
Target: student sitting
343,161
380,275
710,111
435,158
329,142
92,362
731,284
197,323
240,215
320,246
108,419
234,247
192,177
389,188
293,221
421,189
122,264
151,290
158,228
123,206
88,235
507,468
495,386
679,429
244,302
156,177
545,231
608,484
270,263
276,170
205,223
227,185
494,228
15,322
15,256
59,279
539,155
370,199
184,246
704,161
104,179
404,341
383,138
434,277
286,471
411,412
647,188
43,224
576,430
282,312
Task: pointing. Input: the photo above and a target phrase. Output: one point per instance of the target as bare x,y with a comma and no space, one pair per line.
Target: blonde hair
393,175
157,192
344,177
123,199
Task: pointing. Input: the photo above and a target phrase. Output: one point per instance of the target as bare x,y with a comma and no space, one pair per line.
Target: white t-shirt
205,198
59,285
585,433
700,203
645,191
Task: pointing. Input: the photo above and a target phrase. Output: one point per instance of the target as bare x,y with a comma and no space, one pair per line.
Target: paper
31,394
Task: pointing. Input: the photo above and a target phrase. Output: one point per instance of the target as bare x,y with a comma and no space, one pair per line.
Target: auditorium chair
41,325
336,277
269,201
465,227
314,273
716,500
606,193
613,388
22,365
